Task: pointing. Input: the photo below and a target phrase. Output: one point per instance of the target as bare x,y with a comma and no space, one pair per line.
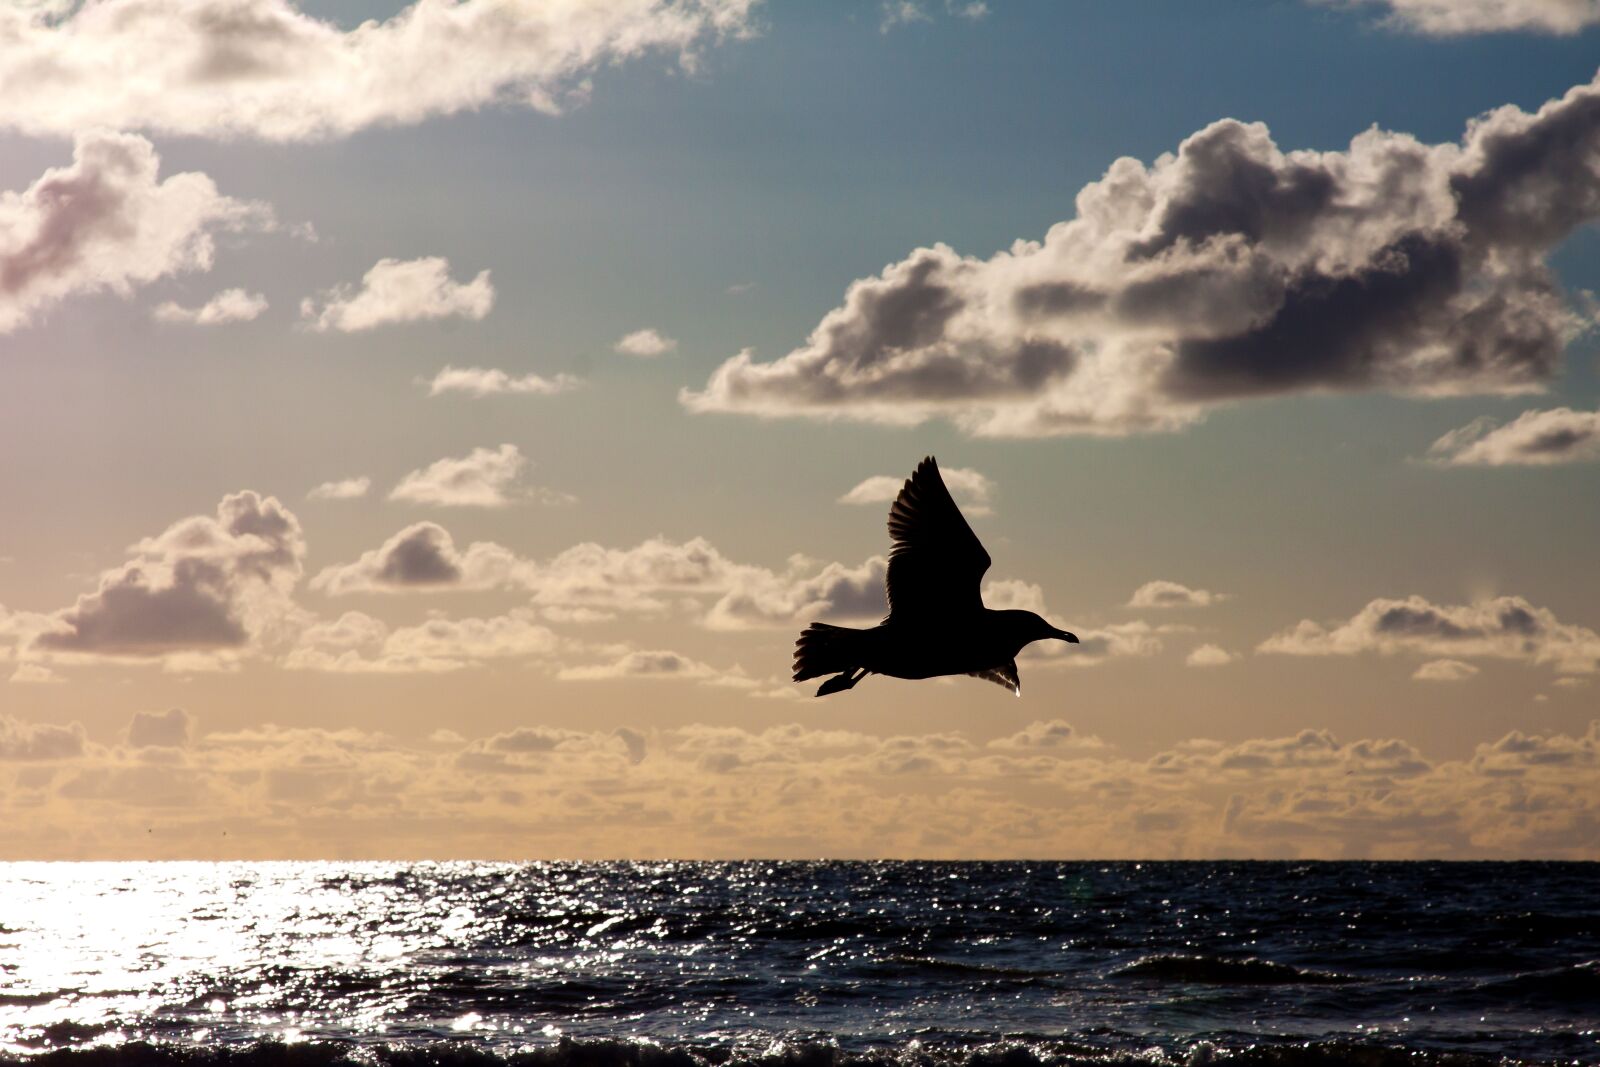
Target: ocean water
800,964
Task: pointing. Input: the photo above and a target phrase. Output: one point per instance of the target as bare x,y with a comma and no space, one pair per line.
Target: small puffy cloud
1052,735
1506,627
1518,754
900,13
1226,271
481,479
266,69
34,674
1096,645
395,290
657,664
761,598
1444,670
1454,18
108,222
164,729
343,489
480,382
1003,594
1532,439
1209,655
230,305
645,344
971,489
1164,594
207,585
39,741
422,558
357,643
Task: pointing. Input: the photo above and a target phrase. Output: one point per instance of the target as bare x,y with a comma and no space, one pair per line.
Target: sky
427,427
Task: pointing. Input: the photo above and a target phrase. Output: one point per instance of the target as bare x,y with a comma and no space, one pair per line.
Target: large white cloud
1449,18
1532,439
108,222
400,290
263,68
1506,627
1229,270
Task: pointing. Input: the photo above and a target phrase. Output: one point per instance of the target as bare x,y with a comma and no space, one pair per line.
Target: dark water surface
803,964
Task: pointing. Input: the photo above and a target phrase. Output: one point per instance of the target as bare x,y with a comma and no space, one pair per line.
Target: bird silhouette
937,623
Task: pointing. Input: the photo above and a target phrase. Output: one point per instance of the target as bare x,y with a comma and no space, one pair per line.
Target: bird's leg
840,682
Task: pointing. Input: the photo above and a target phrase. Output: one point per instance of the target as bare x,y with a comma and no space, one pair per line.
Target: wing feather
1004,675
936,563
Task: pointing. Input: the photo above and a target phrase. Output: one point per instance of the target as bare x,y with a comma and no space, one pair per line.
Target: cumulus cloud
423,557
39,741
1226,271
1164,594
263,68
1209,655
164,729
357,643
482,479
230,305
34,674
208,585
1451,18
343,489
1506,627
1532,439
481,381
591,582
971,489
1041,735
645,344
659,664
1444,670
108,222
761,598
396,290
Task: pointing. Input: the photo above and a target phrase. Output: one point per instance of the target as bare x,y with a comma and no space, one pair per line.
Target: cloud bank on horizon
700,790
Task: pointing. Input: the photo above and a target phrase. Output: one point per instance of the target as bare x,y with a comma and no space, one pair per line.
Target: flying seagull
937,623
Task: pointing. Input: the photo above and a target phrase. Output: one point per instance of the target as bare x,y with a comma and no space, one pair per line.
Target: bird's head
1025,627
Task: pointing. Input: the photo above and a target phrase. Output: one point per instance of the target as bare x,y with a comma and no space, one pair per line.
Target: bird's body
937,624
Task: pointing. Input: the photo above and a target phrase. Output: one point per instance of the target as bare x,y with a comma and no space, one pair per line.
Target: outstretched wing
1004,675
936,562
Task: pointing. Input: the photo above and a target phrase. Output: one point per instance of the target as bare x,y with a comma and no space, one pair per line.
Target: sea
894,964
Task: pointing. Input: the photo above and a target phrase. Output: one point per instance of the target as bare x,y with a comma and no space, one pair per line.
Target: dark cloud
205,584
1228,270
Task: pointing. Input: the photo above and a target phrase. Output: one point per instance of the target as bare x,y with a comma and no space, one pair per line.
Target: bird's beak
1070,639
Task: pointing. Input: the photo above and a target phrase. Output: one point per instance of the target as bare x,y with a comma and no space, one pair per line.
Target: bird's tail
824,649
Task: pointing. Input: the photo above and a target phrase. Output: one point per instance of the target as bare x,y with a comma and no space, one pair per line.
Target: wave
618,1053
1222,970
1575,985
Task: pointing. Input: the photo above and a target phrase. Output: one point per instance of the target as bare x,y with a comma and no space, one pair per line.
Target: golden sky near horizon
425,437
